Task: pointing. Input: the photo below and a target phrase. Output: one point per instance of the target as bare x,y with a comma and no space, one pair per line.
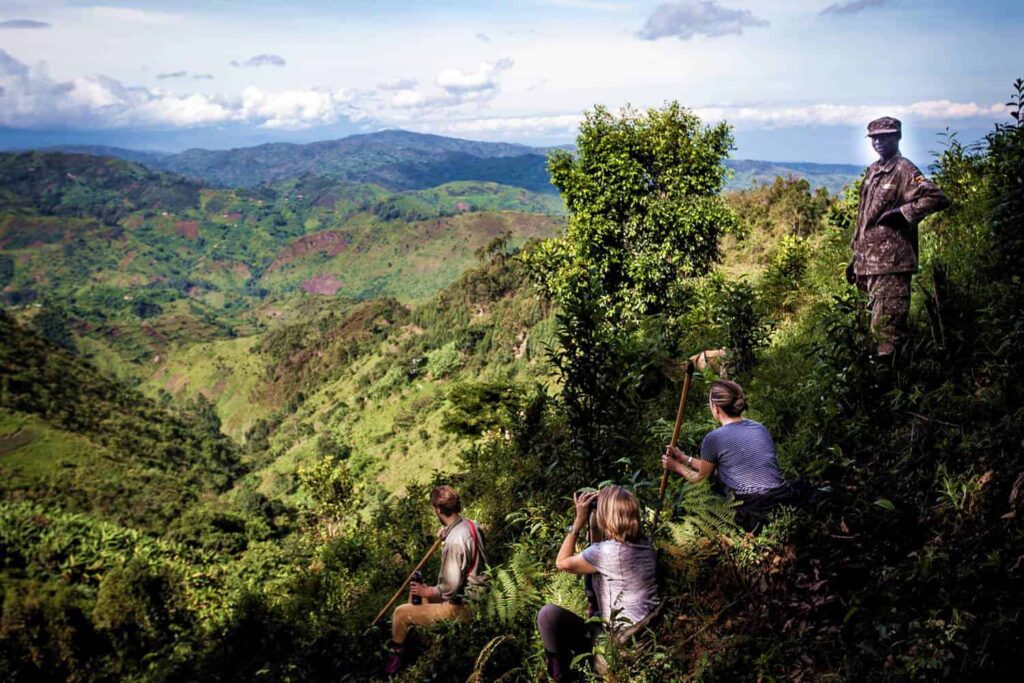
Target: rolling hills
139,543
402,160
135,261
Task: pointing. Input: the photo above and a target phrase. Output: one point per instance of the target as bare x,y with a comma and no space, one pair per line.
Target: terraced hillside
132,262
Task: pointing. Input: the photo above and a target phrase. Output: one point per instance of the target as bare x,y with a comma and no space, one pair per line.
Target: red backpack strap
476,544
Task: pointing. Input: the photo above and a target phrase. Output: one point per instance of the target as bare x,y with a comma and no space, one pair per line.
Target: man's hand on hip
894,218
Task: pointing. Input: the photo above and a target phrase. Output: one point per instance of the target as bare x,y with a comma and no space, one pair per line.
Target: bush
443,361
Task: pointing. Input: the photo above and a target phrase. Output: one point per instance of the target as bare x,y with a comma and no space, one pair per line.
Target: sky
797,79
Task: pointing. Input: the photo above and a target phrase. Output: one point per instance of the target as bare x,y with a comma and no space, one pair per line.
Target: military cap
884,126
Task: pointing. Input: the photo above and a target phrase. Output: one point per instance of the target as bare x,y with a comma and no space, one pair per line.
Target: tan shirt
458,569
894,184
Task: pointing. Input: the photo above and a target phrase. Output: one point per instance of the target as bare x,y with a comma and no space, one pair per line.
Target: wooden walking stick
433,548
675,437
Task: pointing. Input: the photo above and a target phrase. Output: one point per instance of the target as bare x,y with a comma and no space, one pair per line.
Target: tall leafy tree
642,192
645,214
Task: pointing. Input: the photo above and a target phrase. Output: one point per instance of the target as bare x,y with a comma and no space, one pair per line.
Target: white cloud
456,102
454,89
398,84
184,111
938,111
688,18
409,99
29,98
23,24
130,15
260,60
293,109
565,126
500,127
852,7
593,5
484,78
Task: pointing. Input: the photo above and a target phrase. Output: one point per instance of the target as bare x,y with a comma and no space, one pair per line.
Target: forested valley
222,408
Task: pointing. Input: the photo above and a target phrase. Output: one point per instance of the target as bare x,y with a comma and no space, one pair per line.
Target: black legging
565,635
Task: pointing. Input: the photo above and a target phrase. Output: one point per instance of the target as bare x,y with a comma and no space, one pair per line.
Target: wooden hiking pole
675,437
405,583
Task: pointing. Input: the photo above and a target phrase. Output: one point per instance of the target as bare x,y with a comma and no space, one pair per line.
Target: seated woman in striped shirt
741,455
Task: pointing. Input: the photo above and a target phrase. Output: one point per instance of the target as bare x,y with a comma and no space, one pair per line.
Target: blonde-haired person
621,569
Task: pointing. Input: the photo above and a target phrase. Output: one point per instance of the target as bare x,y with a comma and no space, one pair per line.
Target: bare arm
689,468
567,561
710,358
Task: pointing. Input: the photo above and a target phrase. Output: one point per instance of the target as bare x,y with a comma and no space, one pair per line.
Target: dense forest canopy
138,542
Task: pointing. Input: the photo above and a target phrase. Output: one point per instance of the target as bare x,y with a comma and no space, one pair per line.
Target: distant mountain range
402,160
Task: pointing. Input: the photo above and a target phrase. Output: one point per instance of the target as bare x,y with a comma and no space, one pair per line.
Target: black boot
395,659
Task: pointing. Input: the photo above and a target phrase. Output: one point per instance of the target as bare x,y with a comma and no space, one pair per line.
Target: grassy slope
96,445
225,371
314,384
409,261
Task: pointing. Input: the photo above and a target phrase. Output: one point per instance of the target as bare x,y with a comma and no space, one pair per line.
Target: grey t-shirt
626,582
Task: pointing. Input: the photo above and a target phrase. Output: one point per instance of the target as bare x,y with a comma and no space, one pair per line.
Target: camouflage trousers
889,303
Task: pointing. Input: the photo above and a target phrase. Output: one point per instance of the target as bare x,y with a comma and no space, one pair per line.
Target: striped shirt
744,457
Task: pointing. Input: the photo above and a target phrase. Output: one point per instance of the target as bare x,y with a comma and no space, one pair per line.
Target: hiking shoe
394,664
554,669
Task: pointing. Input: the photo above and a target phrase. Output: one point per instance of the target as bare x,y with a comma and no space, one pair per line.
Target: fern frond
514,589
708,520
566,591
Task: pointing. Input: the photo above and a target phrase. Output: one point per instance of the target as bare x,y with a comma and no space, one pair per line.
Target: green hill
400,160
543,369
168,261
72,436
79,185
397,160
371,379
833,177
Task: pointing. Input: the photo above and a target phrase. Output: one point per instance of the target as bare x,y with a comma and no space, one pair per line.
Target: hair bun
740,404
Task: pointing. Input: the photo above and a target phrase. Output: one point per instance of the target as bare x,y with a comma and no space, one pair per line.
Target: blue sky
798,79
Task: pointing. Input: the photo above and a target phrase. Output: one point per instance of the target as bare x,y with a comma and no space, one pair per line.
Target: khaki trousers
409,615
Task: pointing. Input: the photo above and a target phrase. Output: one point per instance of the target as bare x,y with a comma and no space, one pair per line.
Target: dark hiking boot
554,669
395,660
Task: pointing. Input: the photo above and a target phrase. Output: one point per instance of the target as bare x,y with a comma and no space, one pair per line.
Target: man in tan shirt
894,197
460,577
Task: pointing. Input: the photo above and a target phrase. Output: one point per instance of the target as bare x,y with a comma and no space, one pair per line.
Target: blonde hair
618,514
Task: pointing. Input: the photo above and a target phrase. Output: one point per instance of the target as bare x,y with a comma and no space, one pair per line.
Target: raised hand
582,501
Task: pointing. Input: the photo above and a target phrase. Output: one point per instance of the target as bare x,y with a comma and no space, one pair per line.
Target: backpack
476,580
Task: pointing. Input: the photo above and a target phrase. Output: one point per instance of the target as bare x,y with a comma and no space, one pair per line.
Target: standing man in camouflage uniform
894,198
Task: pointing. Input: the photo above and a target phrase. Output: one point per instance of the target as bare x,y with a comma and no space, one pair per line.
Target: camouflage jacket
895,184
